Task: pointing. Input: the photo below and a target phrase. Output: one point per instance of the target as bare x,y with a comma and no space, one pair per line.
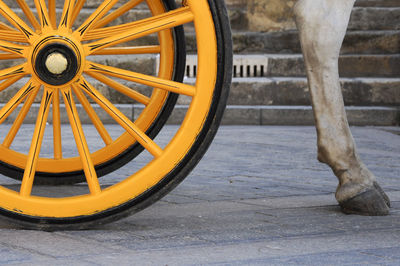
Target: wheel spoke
17,99
94,17
5,84
67,14
4,56
29,14
52,12
43,14
121,88
151,49
117,13
88,167
16,21
30,169
93,116
19,50
95,34
57,145
13,48
121,119
77,9
130,31
13,35
4,26
19,120
151,81
14,71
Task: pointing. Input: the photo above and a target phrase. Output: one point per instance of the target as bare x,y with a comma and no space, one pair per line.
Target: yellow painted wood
15,36
121,88
81,143
117,13
12,133
165,159
43,14
34,151
13,103
134,30
10,15
150,49
28,13
121,119
93,116
66,17
52,13
57,139
77,9
91,21
10,81
168,85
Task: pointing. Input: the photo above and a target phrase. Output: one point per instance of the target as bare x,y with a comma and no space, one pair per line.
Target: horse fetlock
348,188
359,193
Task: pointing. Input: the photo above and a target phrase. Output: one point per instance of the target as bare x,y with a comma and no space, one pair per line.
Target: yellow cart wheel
170,47
59,66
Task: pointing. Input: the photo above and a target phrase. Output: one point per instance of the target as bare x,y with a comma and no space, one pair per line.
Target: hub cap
56,63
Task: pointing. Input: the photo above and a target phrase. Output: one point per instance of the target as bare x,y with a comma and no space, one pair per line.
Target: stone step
240,115
243,3
364,3
303,115
294,91
263,65
375,18
266,91
356,42
292,65
60,3
293,115
372,30
275,65
362,18
378,3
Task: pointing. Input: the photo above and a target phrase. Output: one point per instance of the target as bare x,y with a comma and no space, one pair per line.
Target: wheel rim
113,147
164,160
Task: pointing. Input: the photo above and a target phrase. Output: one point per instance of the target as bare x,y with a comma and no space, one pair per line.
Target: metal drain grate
244,66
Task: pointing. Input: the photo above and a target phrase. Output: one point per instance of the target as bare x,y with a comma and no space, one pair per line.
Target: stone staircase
369,69
269,85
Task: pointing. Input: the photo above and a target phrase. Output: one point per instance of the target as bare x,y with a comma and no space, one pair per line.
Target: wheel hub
56,64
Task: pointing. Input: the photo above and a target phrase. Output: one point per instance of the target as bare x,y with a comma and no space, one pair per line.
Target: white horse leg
322,25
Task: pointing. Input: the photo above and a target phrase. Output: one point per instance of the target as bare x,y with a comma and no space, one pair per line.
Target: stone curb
294,91
241,115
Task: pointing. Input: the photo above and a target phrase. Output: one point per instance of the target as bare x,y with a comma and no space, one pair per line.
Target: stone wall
277,15
270,15
265,15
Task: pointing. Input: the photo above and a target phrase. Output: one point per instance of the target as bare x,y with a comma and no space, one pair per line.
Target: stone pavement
258,197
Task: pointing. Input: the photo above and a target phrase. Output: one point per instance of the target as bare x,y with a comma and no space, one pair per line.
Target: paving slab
258,197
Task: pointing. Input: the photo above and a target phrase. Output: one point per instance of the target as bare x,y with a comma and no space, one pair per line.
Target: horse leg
322,26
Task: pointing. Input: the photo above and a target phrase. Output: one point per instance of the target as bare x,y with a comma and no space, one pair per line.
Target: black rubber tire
186,165
66,178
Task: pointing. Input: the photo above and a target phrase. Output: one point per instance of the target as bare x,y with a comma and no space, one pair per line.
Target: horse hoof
380,190
372,202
